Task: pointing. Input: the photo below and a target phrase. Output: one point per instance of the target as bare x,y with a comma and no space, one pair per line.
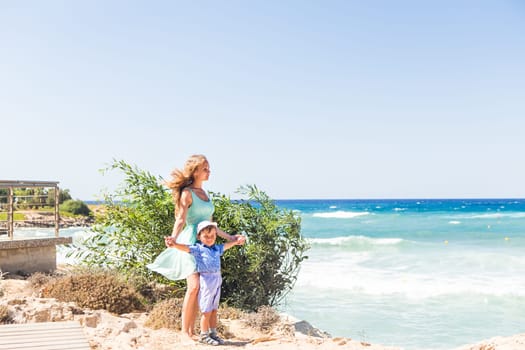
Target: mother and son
197,262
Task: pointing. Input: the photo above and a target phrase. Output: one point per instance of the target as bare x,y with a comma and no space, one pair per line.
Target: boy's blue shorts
210,291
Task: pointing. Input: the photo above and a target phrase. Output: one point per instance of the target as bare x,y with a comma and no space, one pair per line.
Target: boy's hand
240,239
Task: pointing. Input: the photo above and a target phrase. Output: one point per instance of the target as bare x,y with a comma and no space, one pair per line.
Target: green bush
264,270
76,207
63,195
129,234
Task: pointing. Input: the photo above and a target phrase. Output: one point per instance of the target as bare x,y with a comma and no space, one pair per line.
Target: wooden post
10,214
57,217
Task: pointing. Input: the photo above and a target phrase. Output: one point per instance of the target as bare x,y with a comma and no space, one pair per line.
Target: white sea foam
355,276
358,240
484,216
413,270
454,222
490,216
339,214
500,215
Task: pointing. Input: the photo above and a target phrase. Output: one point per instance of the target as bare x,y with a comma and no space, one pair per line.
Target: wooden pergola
10,186
26,255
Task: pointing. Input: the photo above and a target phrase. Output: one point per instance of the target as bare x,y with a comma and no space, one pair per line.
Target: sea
413,273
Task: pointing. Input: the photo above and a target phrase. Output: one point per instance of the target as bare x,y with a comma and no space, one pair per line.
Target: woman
192,205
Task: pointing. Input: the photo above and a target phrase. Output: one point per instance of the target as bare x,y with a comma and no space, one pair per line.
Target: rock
128,326
90,320
42,316
307,329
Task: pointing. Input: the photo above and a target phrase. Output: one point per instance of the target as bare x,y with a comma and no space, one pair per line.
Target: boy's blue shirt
208,259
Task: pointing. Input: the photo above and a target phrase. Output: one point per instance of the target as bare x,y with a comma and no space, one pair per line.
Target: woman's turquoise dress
176,264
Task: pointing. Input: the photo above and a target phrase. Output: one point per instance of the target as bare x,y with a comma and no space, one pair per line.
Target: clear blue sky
305,99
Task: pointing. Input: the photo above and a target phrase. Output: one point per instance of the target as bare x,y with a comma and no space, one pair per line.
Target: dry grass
166,314
1,278
153,292
230,313
5,318
94,290
39,279
263,320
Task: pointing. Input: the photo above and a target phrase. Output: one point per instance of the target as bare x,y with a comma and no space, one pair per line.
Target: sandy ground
107,331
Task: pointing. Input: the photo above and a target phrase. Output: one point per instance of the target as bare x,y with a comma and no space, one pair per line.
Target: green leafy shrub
264,270
76,207
63,195
130,233
95,290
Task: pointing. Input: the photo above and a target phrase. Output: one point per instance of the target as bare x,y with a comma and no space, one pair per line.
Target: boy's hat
203,224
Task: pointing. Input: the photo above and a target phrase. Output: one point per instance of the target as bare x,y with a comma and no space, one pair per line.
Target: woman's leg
190,304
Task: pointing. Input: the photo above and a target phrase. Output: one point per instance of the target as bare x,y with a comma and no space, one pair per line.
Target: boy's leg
205,322
209,303
205,330
213,327
213,319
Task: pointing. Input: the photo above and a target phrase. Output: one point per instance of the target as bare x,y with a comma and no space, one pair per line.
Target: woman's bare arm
225,235
180,219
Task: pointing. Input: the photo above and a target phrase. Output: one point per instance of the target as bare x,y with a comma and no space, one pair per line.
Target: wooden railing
11,203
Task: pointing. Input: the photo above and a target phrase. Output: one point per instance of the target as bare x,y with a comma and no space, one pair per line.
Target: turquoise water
418,274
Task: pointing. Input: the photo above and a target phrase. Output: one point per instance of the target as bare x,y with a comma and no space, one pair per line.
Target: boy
208,259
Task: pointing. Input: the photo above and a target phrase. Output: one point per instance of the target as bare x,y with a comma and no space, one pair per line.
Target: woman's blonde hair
180,179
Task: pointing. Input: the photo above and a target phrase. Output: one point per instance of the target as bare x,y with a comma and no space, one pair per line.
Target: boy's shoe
214,336
206,339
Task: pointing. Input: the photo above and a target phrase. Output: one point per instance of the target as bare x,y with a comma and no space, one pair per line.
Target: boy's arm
183,247
230,244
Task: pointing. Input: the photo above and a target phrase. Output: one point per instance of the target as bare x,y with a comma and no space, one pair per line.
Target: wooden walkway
43,336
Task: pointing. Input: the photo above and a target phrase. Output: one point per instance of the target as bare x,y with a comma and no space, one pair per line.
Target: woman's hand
169,240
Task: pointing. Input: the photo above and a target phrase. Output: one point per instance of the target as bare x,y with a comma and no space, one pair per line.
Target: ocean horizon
413,273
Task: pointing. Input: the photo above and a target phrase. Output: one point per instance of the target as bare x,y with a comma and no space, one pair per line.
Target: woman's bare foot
187,339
